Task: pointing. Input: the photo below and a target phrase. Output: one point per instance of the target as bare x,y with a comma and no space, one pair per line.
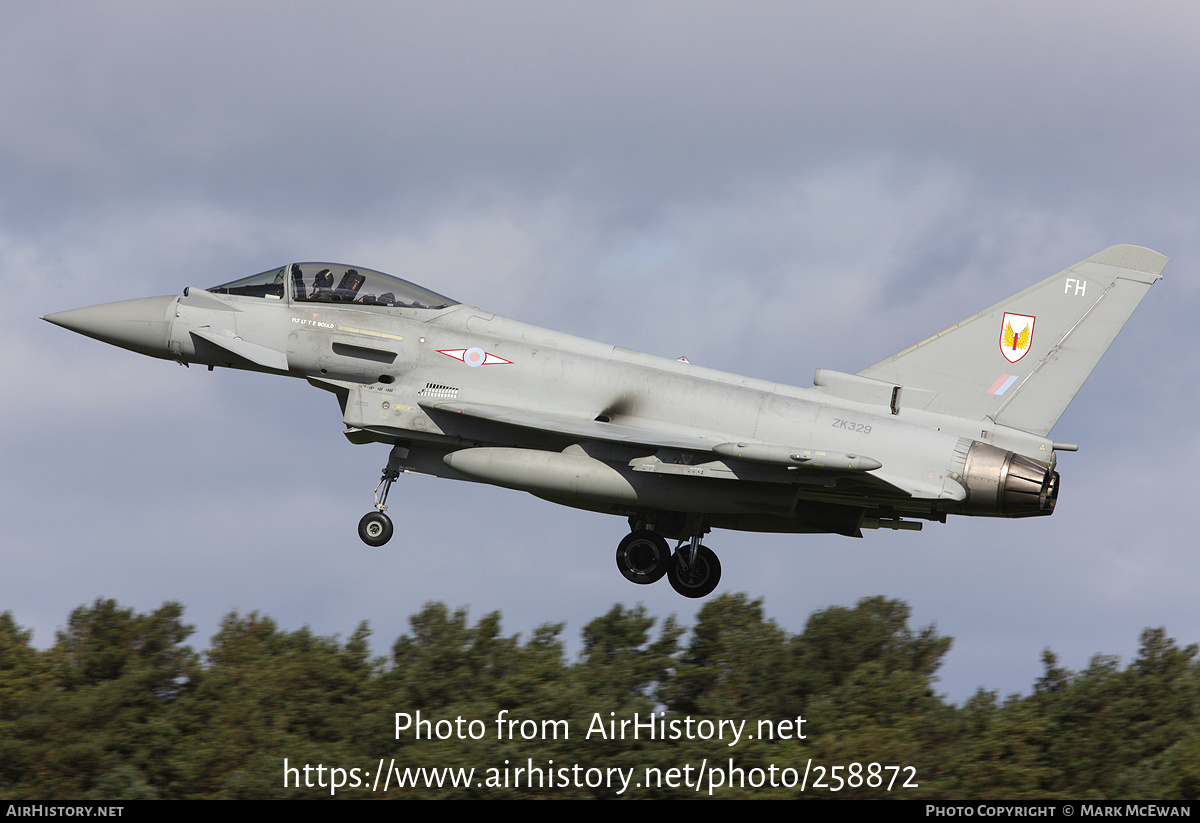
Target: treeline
120,708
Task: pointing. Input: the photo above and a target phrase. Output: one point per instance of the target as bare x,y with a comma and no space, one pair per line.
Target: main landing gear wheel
643,557
375,528
700,578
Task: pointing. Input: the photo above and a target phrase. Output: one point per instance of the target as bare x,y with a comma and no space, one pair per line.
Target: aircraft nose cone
142,325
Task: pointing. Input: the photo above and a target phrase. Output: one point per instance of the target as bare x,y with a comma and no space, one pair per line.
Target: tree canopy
120,708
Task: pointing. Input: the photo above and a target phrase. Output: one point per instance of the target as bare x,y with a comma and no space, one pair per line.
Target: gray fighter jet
957,424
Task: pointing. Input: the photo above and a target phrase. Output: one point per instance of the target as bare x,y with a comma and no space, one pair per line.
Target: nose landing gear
375,528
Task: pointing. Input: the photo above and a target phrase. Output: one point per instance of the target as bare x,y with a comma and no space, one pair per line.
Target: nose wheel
375,528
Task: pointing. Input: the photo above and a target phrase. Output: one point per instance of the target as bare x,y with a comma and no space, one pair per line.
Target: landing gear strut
696,570
375,528
643,557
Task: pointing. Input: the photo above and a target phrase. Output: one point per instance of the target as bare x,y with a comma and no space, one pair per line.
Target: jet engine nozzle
1005,484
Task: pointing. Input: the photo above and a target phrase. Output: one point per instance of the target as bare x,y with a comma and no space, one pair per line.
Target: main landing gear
643,557
696,571
375,528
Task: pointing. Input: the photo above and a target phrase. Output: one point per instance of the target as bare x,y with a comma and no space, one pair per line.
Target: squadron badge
1016,333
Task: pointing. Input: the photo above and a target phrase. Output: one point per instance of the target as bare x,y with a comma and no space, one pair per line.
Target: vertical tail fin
1022,361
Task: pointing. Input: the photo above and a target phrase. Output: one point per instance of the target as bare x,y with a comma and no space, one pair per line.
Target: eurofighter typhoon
958,424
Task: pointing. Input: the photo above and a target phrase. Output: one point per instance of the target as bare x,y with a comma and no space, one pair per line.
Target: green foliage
266,691
106,644
620,663
100,718
21,670
1103,720
837,641
120,708
447,662
735,663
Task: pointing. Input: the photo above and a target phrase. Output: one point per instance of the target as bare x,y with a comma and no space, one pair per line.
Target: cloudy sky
764,187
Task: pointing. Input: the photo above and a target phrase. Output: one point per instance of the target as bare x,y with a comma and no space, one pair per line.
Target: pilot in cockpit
323,287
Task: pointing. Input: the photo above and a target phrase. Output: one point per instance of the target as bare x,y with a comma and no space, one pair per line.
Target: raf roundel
475,356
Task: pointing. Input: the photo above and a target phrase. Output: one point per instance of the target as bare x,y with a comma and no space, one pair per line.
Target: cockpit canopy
335,283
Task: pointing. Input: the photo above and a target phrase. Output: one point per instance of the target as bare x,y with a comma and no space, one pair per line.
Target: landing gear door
381,409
